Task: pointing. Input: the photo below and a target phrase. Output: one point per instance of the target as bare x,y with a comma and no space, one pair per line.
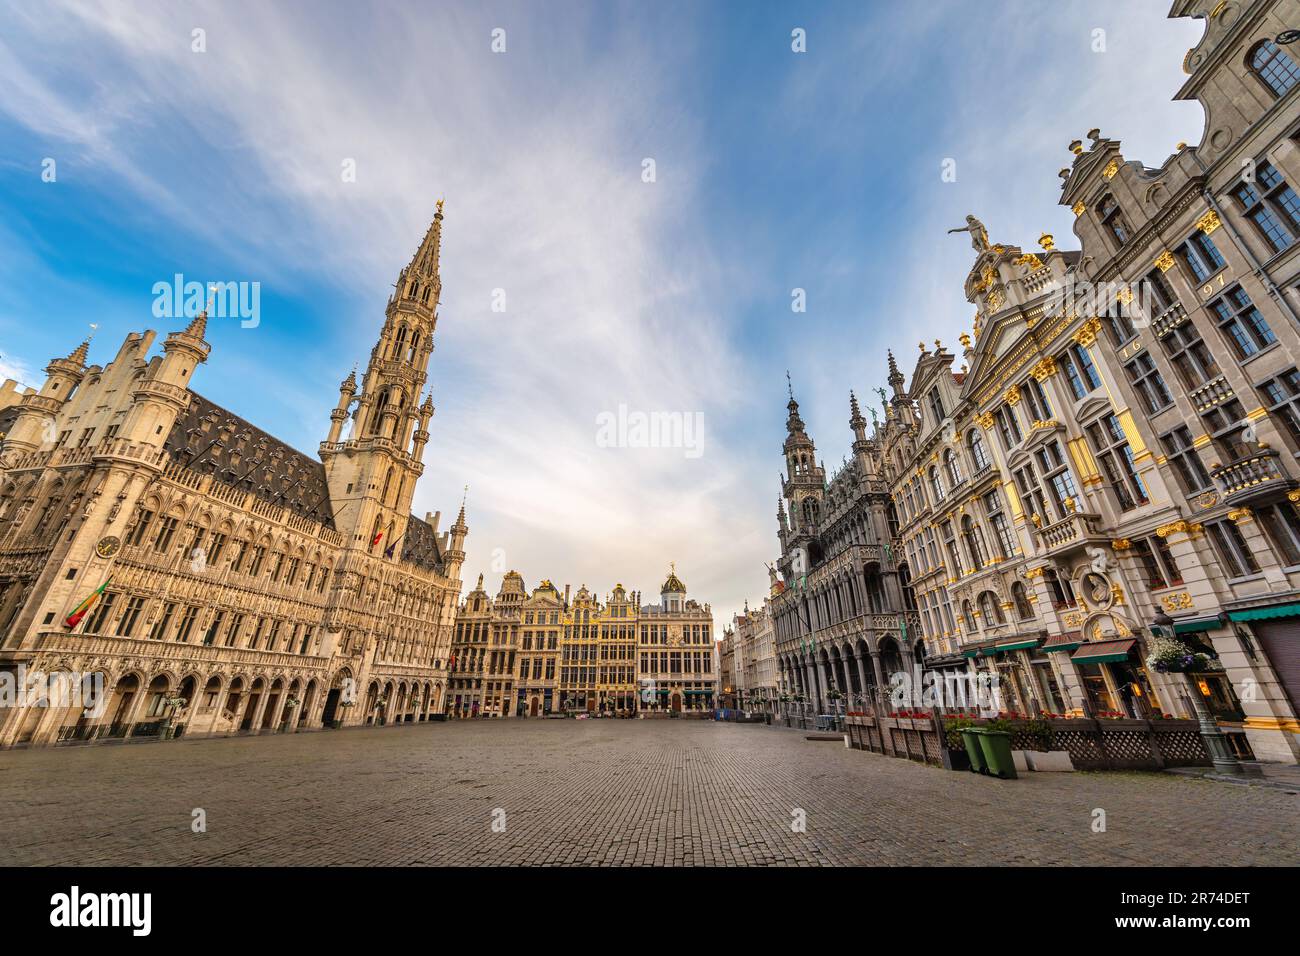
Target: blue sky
774,171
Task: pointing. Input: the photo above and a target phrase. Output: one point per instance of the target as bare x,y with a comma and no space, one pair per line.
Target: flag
73,619
388,551
376,538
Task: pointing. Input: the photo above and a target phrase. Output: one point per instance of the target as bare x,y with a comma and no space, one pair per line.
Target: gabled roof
420,546
210,440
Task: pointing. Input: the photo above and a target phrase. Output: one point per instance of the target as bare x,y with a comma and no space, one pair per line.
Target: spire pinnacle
80,353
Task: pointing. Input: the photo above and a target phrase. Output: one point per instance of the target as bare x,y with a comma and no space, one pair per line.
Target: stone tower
373,470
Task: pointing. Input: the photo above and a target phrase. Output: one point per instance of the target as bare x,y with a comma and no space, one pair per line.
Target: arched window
810,512
1023,609
969,616
973,535
990,610
979,454
1113,219
936,484
1274,67
953,464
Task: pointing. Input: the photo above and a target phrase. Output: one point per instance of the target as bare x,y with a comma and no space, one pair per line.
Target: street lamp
1216,743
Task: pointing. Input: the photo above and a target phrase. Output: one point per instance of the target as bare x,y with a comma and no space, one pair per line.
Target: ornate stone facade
841,604
244,586
1121,441
533,655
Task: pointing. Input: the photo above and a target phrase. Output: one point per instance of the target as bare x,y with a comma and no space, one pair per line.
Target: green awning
1198,624
1265,613
974,653
1102,652
1019,645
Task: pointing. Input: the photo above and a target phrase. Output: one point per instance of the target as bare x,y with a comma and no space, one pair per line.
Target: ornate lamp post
1216,744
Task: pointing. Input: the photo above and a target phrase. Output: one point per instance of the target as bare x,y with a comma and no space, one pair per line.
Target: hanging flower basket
1171,656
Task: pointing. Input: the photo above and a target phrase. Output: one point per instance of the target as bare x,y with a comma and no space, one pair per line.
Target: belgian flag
80,611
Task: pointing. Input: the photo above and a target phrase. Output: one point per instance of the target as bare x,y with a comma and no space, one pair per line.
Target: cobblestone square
602,793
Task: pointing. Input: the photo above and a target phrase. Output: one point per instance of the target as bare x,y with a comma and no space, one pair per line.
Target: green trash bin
996,745
970,737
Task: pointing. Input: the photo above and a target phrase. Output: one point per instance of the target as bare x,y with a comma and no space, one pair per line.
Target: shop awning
1063,642
1102,652
1019,644
1198,624
1265,613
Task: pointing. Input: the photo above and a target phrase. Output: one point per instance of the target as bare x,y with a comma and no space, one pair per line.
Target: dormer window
1112,218
1274,67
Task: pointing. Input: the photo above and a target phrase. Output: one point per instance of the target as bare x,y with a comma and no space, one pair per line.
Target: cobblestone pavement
607,793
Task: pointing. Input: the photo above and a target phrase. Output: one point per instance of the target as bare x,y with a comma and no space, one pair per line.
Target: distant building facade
532,655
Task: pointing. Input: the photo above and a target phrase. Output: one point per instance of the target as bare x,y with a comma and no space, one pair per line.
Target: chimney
433,520
566,596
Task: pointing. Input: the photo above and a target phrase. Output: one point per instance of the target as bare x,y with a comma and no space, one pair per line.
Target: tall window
936,405
1024,610
1226,424
1156,289
1242,323
1008,427
1112,218
1157,562
1232,550
1274,68
973,535
1057,480
1282,526
979,454
1148,382
998,522
1281,394
1271,204
936,483
1201,256
1061,590
1080,371
1035,399
989,610
1030,492
950,549
1189,356
1186,462
953,465
1116,460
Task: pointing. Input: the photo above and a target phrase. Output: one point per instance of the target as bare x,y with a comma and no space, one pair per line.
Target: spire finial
789,385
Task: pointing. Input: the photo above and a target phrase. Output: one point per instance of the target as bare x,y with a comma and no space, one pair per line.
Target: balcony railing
1214,392
1074,528
1251,477
1168,320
